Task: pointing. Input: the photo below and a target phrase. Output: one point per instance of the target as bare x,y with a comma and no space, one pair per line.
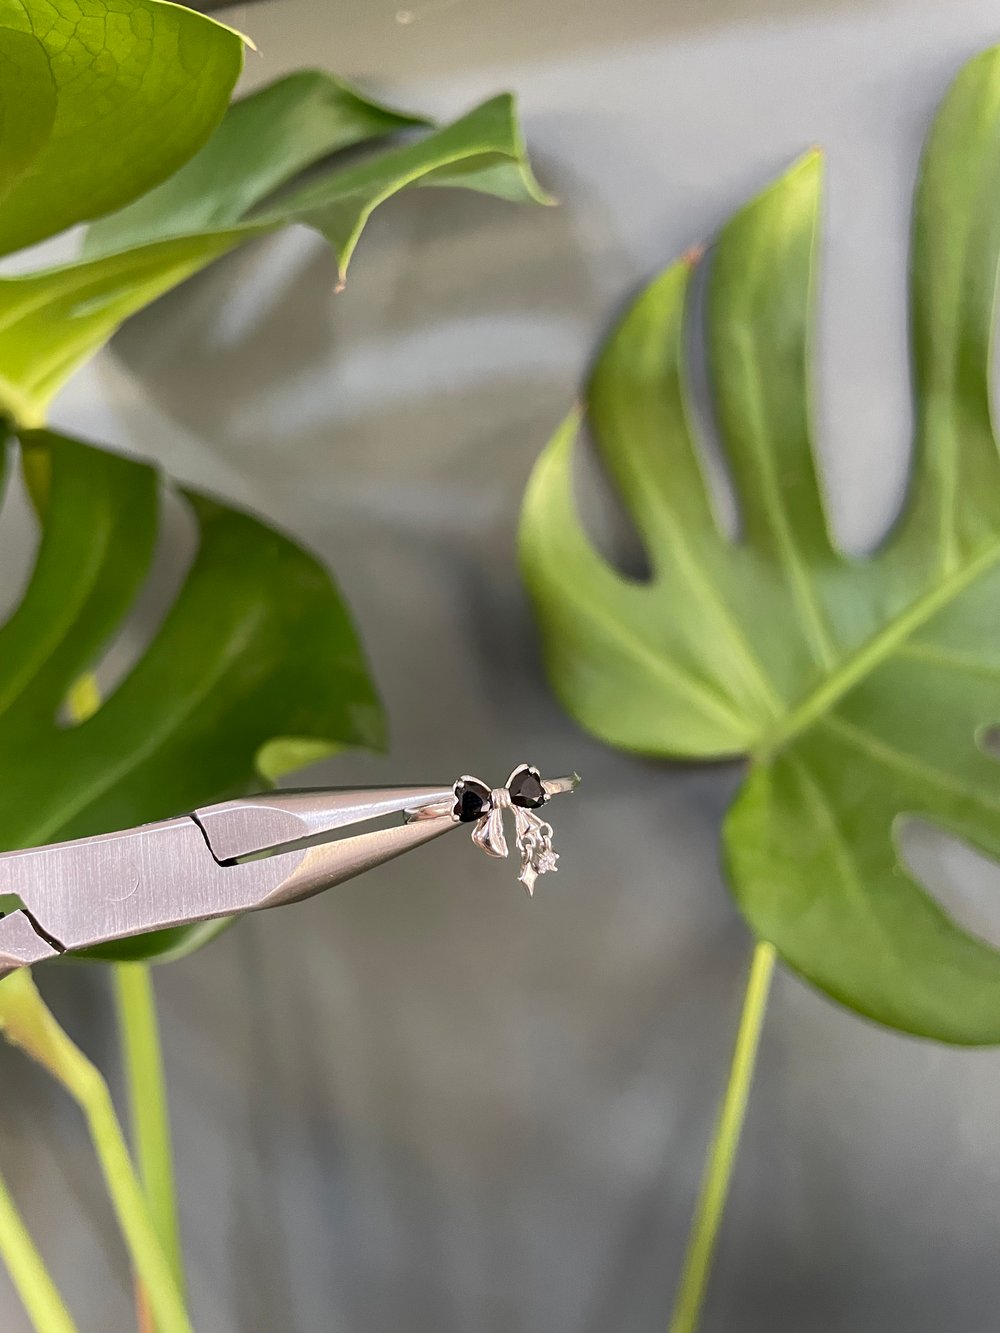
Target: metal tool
223,860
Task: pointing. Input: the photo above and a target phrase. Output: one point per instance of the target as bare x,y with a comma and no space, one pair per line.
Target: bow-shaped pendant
523,793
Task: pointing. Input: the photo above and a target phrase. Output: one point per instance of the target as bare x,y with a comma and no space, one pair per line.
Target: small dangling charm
534,842
524,792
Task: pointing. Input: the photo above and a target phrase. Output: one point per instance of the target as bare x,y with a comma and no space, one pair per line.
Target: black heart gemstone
525,787
472,800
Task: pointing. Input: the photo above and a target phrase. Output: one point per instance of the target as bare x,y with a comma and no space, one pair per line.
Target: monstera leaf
99,102
862,690
224,196
256,655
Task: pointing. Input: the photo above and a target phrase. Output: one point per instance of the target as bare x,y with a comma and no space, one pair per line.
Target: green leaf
861,689
257,650
51,322
99,103
265,140
483,150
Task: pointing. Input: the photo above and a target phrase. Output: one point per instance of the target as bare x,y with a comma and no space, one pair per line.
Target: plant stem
28,1273
27,1022
721,1158
143,1059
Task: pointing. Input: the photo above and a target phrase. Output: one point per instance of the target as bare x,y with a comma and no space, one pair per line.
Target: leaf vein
876,650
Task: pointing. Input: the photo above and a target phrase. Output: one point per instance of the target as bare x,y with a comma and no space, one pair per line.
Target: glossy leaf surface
256,657
52,321
99,103
264,141
861,690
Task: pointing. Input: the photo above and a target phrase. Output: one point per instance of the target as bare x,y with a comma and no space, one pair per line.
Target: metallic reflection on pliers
222,860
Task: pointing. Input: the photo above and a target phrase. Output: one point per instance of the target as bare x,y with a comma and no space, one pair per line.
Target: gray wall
422,1103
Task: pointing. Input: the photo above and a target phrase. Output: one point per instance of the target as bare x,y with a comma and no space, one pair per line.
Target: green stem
142,1056
721,1158
150,1262
27,1022
143,1059
28,1272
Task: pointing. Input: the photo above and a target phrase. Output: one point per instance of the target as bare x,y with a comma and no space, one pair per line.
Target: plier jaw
247,854
221,860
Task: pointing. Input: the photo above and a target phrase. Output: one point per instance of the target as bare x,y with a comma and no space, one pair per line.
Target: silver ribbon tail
489,835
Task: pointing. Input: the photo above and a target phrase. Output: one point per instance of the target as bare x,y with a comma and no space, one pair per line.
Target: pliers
222,860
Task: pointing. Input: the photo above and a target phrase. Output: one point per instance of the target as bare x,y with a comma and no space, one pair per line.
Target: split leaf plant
117,113
199,205
861,691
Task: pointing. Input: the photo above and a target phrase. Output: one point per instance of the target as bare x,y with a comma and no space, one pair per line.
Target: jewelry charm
523,793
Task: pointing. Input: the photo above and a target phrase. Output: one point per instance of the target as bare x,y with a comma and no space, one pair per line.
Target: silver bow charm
523,793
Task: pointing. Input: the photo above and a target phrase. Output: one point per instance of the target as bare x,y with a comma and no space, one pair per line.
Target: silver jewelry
523,793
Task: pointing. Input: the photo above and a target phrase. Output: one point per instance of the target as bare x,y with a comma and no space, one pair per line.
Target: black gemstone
525,787
472,800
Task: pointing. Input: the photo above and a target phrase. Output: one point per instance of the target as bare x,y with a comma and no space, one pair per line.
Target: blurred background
421,1103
